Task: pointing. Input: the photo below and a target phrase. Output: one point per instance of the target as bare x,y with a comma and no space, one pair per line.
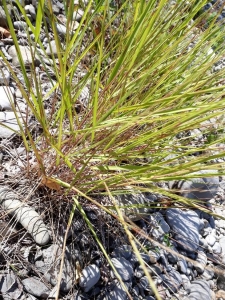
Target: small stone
20,25
78,14
123,267
90,276
182,265
210,239
8,119
117,292
222,244
26,56
217,249
35,287
4,77
173,258
52,49
6,95
201,262
144,283
61,29
154,256
173,280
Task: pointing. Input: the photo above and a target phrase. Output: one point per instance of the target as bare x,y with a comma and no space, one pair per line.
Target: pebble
123,267
172,280
201,262
185,226
217,249
7,118
117,292
4,77
25,54
35,287
90,276
210,239
182,265
52,49
154,256
20,25
122,251
6,97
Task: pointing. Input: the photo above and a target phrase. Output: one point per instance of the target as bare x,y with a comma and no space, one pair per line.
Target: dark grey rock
90,276
185,226
117,292
34,286
202,188
144,283
123,267
173,258
122,251
172,280
154,256
182,265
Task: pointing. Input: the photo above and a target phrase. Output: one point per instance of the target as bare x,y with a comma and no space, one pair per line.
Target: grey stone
200,290
122,251
171,256
26,56
159,225
207,274
51,256
182,265
217,248
3,19
6,95
117,292
90,276
144,283
129,205
172,280
220,273
78,14
20,25
201,262
210,239
185,226
123,267
9,286
52,49
222,243
61,29
202,188
154,256
31,10
4,77
8,124
35,287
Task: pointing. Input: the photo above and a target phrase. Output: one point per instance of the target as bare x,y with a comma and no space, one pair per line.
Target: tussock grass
148,67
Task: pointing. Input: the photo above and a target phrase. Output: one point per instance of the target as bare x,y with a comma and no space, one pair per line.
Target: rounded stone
90,276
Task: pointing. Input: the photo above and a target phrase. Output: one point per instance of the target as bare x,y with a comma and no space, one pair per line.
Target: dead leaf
51,183
4,32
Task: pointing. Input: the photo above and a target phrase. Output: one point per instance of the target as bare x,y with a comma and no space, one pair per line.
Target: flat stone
202,188
185,225
6,94
90,276
123,267
26,56
35,287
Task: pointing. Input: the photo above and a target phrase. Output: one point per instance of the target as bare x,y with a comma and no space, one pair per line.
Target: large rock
123,267
185,225
200,290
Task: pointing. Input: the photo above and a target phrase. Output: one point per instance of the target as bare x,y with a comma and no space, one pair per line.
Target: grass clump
129,82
